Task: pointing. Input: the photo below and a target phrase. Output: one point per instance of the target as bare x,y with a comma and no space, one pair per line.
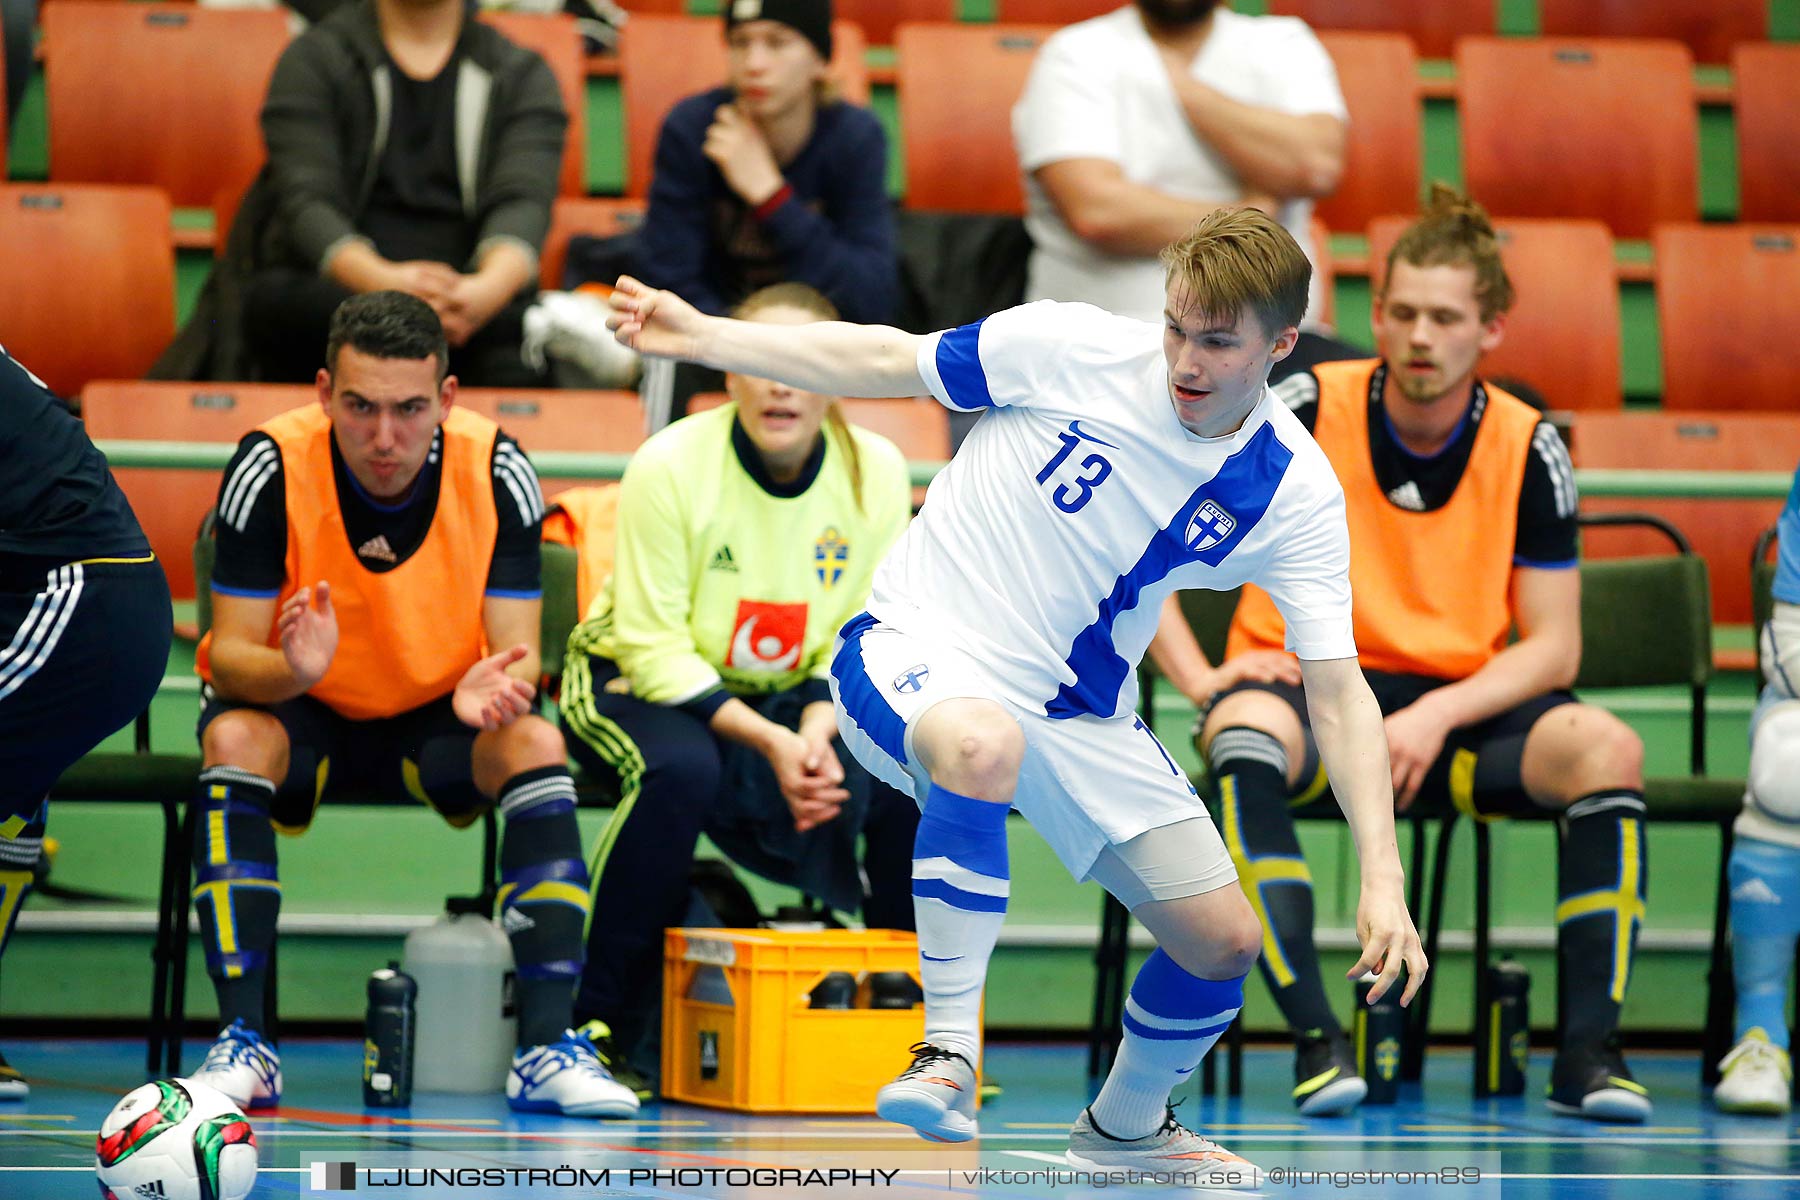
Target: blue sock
961,881
1765,919
1172,1019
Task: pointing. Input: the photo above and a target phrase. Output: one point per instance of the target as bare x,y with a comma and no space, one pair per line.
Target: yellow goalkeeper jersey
717,581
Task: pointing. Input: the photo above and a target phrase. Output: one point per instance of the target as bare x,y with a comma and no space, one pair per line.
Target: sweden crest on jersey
830,553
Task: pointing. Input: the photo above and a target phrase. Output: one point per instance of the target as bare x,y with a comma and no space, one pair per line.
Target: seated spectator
411,148
1757,1076
746,536
1136,124
769,179
375,624
1462,513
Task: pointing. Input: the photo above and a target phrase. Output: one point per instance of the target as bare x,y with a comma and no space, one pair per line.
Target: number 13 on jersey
1072,496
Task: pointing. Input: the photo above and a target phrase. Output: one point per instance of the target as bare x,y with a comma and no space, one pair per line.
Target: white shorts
1087,783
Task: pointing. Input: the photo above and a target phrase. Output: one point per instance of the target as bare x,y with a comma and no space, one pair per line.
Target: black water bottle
1504,1041
1379,1031
388,1032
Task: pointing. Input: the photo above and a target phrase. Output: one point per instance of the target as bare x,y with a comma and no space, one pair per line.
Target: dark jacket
835,232
324,122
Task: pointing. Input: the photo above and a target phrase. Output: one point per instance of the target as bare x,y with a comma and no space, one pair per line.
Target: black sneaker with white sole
1593,1081
1326,1082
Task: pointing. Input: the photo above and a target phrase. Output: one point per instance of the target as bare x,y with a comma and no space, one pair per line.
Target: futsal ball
175,1140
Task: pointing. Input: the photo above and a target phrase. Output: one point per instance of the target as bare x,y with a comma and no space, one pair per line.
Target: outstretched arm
831,357
1346,723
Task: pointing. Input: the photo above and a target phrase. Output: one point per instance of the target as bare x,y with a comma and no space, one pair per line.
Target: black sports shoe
1326,1082
12,1084
1593,1081
623,1073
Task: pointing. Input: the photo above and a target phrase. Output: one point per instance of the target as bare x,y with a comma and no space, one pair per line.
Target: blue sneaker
244,1067
567,1077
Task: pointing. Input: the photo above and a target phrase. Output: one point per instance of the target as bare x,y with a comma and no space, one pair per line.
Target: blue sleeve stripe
505,594
247,593
959,367
1564,564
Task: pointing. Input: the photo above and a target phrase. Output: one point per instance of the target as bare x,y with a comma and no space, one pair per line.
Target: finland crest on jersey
1209,526
1046,547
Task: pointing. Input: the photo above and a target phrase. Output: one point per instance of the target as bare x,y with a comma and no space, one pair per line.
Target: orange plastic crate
765,1050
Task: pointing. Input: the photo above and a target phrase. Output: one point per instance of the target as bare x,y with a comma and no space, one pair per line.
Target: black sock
21,845
543,898
237,893
1603,873
1251,767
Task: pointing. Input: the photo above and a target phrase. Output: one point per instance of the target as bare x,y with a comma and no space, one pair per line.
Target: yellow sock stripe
13,886
218,894
13,826
218,852
504,895
615,748
1631,864
1624,904
1254,873
554,892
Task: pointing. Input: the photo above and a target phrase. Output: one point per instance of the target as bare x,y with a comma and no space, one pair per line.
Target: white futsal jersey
1046,547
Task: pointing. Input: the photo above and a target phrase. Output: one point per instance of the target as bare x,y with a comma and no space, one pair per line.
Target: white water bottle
463,965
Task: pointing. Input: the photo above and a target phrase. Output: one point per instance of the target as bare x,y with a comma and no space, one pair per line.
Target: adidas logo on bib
378,549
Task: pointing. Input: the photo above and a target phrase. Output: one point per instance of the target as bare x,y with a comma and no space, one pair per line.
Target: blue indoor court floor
1521,1151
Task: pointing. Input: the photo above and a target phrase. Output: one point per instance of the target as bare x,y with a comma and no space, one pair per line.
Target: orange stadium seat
1433,25
1726,315
163,94
1710,28
90,281
549,419
878,18
593,217
1766,81
957,85
1562,336
170,504
556,40
1050,12
1722,531
1601,128
1378,73
663,60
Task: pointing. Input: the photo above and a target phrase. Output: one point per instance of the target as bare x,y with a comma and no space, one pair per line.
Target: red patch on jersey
767,637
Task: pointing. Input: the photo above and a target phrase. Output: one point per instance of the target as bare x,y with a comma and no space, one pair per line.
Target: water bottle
1503,1042
464,967
1379,1031
388,1037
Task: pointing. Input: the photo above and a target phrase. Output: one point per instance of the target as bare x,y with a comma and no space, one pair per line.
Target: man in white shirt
994,667
1135,124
